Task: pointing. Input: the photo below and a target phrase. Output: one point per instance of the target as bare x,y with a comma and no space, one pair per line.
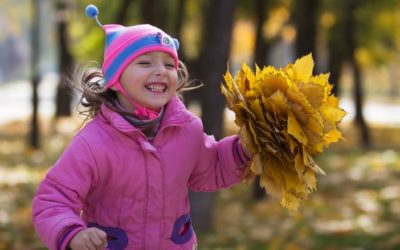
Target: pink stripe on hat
122,37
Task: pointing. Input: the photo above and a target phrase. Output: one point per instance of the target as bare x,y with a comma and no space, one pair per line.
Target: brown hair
91,85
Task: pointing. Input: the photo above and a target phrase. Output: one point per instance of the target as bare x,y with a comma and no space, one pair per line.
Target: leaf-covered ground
356,206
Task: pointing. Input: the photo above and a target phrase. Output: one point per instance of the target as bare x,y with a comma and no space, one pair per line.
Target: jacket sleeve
58,199
219,163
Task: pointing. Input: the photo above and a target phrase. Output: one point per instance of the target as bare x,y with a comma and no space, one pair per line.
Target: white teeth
157,88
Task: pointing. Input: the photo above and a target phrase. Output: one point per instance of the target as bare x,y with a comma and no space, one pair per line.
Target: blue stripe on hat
112,36
140,44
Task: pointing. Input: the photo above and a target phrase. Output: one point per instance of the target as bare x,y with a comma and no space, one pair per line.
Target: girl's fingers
95,241
99,239
87,248
89,239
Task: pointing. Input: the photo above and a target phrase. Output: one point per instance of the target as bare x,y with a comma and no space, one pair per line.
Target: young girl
123,181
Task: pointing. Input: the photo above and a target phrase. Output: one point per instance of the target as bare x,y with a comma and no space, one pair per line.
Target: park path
15,104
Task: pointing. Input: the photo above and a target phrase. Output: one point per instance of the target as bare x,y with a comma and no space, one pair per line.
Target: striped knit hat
124,44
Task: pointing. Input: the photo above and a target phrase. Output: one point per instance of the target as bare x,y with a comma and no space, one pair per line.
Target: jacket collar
175,114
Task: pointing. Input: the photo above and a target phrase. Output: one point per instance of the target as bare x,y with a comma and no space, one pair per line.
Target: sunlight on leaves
286,116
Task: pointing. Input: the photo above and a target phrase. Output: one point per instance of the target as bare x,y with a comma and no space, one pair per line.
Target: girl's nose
160,69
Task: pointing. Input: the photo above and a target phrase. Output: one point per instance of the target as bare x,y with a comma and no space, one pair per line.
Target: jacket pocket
183,230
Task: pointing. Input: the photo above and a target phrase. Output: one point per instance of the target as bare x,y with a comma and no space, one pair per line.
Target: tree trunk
217,40
123,11
261,46
306,20
65,61
148,14
213,61
337,51
189,96
358,99
178,25
156,12
260,58
335,65
35,74
358,88
179,19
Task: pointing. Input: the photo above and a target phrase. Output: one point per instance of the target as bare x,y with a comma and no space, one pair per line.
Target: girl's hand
89,239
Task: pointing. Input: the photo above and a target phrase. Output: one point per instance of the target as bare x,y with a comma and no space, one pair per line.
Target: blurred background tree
65,58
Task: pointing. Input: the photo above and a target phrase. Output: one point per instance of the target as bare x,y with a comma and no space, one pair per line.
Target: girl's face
150,80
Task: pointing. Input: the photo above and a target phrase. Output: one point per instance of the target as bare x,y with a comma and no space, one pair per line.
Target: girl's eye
170,65
144,63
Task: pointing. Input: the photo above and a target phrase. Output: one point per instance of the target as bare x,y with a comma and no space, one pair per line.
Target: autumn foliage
286,116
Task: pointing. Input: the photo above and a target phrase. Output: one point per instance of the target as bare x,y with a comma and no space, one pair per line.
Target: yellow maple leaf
295,129
302,68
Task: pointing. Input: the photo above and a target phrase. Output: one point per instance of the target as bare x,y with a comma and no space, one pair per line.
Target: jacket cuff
68,235
239,153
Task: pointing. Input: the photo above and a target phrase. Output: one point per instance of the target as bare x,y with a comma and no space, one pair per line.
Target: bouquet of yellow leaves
286,116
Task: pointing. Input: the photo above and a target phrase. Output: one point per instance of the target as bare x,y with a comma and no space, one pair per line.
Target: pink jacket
111,177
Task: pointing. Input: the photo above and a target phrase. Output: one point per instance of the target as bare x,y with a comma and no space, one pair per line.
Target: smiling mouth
156,87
